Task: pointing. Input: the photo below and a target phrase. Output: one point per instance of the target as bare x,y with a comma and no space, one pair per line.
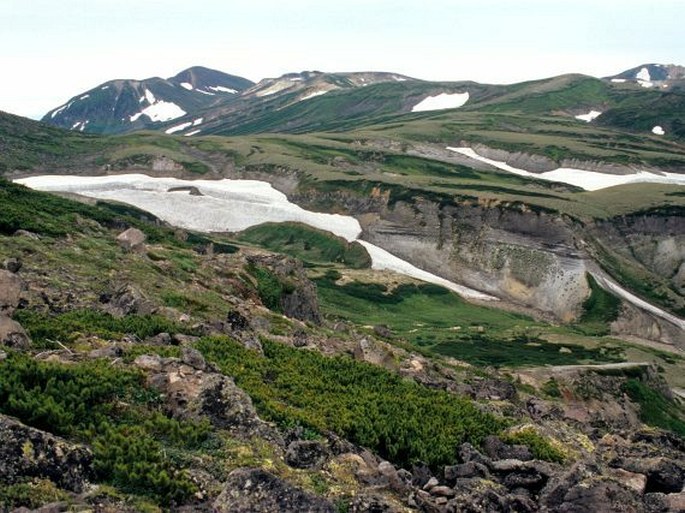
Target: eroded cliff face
525,257
535,258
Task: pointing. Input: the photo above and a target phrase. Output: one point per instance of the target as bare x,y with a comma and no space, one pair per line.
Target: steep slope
126,105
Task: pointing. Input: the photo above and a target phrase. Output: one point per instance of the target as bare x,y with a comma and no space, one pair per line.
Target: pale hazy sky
54,49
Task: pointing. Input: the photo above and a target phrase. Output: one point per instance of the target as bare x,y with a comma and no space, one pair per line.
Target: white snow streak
198,121
150,97
194,132
187,85
593,114
227,206
60,109
84,97
608,284
441,101
312,95
384,260
618,80
588,180
658,130
178,128
222,89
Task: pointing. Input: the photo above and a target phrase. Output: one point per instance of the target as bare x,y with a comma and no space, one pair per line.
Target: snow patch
60,109
313,95
384,260
227,206
658,130
441,101
205,92
618,80
608,284
187,85
104,88
198,121
400,79
593,114
643,74
150,97
178,128
645,84
588,180
84,97
135,117
222,89
194,132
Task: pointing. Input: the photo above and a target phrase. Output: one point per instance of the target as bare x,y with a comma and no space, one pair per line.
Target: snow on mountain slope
588,180
227,206
441,101
125,105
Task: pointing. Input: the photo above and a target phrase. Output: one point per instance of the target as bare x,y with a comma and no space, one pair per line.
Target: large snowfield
588,180
227,206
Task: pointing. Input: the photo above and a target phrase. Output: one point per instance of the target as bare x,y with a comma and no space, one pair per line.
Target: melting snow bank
227,206
615,288
441,101
384,260
588,180
593,114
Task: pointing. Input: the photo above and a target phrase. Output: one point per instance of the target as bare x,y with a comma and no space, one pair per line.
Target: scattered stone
258,491
161,339
372,504
663,474
432,483
382,331
13,335
466,470
599,495
421,474
26,452
129,300
442,491
193,357
111,351
10,292
306,454
132,240
676,502
634,481
237,321
180,339
27,234
150,362
13,265
495,449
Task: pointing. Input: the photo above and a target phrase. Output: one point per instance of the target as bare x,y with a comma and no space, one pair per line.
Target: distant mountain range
199,101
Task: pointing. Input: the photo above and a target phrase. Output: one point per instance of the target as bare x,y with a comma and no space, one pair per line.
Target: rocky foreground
574,445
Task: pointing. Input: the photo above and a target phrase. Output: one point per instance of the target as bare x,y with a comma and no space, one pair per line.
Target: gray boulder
132,239
10,292
12,334
306,454
26,452
258,491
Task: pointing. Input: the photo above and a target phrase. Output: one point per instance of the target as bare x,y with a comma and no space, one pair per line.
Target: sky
54,50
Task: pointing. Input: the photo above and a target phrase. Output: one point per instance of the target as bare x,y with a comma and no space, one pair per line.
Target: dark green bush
401,420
